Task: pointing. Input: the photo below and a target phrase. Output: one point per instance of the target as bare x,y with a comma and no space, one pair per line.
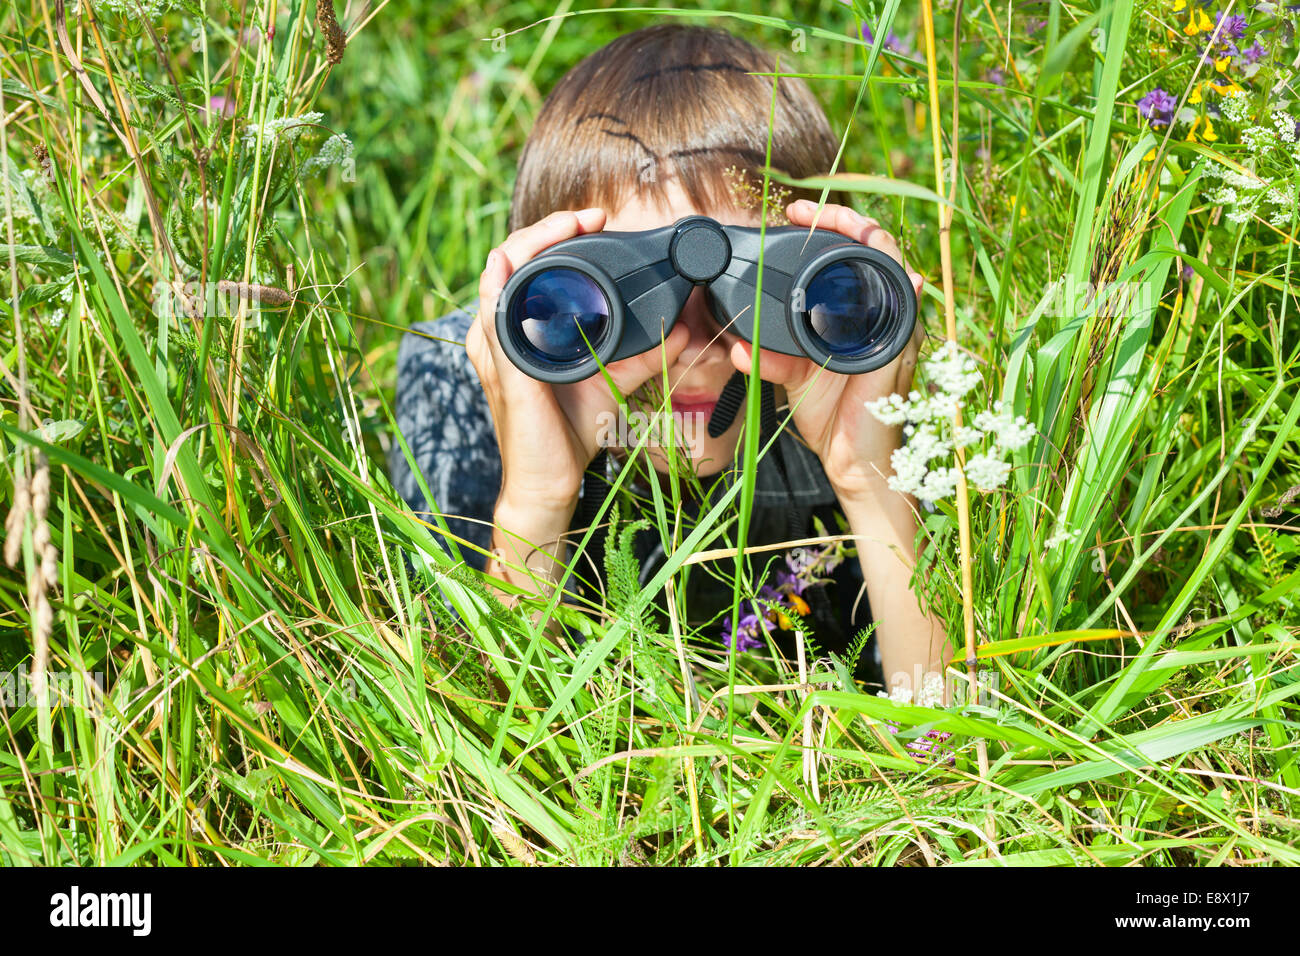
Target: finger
907,361
475,345
490,283
631,373
487,356
522,244
788,370
832,216
907,367
883,241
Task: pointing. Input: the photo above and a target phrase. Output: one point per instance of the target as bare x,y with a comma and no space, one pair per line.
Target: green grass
297,671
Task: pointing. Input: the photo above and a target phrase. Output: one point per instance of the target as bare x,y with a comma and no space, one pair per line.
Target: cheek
708,456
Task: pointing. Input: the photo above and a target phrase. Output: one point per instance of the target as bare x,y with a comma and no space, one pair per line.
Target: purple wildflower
1158,107
1255,53
1218,50
747,636
1233,26
806,563
1033,26
790,582
927,748
892,42
1187,272
995,75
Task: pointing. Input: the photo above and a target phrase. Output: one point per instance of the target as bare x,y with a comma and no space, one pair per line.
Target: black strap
724,413
728,404
794,519
595,485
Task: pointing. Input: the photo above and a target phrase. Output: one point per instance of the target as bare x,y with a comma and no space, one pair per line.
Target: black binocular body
599,298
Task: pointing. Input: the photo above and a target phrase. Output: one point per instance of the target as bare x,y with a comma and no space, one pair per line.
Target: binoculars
599,298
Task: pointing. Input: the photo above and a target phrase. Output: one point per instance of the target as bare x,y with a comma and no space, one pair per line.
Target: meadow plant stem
950,317
949,192
670,590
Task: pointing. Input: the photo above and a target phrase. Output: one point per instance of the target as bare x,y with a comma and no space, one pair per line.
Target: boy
639,134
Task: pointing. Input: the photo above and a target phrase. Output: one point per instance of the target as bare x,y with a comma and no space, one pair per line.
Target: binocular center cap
700,251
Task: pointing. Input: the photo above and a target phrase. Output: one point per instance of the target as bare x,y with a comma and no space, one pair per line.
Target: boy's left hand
828,408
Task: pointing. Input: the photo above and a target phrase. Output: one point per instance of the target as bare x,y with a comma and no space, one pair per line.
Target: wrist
864,486
877,511
528,543
530,507
536,521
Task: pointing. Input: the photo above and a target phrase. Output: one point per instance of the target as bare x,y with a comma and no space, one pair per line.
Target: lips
694,404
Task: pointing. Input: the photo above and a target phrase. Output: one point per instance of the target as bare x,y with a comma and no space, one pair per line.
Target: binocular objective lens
845,306
555,309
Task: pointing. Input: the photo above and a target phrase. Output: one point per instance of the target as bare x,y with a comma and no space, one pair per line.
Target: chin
709,457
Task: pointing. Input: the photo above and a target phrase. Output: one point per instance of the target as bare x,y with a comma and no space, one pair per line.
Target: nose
706,331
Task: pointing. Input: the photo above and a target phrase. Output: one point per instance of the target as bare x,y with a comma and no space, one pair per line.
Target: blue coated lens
555,309
845,307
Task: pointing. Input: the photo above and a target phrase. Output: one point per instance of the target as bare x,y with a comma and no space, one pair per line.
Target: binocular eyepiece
599,298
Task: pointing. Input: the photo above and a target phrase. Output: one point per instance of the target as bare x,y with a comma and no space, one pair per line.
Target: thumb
631,373
788,370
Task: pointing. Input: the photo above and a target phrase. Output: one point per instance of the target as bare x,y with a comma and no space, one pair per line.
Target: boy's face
704,366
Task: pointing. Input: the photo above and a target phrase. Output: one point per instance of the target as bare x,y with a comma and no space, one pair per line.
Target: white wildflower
1284,125
1259,139
909,471
1060,537
944,405
987,472
924,466
931,692
899,695
287,128
1233,106
1226,196
952,371
890,410
1012,433
135,9
939,483
335,151
925,443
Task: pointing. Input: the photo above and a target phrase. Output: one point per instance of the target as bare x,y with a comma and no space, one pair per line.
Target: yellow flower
1196,94
1179,5
1199,23
1222,65
1229,84
1207,134
1151,154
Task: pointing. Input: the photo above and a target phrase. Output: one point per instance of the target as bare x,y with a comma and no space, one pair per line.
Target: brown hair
661,102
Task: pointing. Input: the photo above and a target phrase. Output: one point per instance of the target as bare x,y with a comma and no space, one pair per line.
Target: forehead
640,211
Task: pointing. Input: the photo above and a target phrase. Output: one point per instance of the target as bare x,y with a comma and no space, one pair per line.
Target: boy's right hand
548,434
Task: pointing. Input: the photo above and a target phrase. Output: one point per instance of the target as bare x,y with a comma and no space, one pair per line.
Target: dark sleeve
443,414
